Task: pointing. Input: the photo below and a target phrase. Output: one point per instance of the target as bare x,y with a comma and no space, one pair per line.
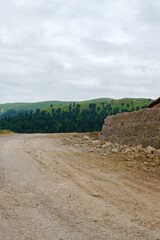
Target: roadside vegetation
5,131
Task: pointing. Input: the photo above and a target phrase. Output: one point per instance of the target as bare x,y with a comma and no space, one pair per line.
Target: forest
58,120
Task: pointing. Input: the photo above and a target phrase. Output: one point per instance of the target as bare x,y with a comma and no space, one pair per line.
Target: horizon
78,100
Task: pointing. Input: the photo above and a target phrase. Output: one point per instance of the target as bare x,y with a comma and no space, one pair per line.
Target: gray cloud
79,49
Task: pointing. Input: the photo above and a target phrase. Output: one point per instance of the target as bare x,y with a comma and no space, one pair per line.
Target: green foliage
29,106
12,113
12,109
76,117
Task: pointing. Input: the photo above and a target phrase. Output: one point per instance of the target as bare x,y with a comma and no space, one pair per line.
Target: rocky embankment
135,128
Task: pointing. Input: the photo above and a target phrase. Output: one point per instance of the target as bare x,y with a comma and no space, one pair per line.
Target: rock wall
141,127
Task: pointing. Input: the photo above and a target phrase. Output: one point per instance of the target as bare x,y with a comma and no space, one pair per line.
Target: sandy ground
57,187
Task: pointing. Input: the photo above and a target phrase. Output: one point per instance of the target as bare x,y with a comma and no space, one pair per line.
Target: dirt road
51,190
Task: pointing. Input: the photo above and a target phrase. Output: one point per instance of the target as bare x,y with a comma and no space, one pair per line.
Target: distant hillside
75,117
110,106
13,109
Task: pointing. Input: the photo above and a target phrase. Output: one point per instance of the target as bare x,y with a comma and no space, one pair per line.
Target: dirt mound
141,127
155,104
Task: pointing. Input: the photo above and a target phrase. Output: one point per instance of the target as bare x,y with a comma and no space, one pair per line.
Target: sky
79,49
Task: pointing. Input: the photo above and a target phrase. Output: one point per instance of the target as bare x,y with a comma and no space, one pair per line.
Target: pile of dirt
141,127
155,104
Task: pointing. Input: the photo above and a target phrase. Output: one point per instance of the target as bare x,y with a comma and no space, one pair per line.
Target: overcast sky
79,49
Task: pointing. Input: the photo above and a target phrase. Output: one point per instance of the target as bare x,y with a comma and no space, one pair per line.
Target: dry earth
73,187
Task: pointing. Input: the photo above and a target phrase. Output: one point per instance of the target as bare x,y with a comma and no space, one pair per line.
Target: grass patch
5,131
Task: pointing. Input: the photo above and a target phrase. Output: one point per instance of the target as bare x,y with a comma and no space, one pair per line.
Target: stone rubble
102,147
134,156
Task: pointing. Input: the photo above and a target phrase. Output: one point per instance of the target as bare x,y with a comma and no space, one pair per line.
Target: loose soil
72,187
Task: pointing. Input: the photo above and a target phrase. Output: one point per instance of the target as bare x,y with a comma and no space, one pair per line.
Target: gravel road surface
50,190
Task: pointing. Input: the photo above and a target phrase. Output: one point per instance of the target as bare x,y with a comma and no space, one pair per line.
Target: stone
108,144
96,195
116,145
99,146
95,141
77,145
114,150
75,134
67,139
127,150
95,220
86,137
150,150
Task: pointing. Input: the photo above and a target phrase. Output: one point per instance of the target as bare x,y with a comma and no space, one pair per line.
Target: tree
70,107
92,106
52,111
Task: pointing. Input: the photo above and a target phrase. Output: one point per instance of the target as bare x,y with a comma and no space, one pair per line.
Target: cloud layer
74,50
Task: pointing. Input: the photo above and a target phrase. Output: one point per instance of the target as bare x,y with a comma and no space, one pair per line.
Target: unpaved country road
51,191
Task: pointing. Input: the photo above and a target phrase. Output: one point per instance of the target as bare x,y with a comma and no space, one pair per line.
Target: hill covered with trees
76,117
13,109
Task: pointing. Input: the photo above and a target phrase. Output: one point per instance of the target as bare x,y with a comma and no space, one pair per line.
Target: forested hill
13,109
76,117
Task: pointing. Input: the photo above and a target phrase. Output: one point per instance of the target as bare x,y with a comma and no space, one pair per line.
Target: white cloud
100,60
79,49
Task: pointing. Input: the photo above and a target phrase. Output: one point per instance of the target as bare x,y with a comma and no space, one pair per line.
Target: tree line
58,121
